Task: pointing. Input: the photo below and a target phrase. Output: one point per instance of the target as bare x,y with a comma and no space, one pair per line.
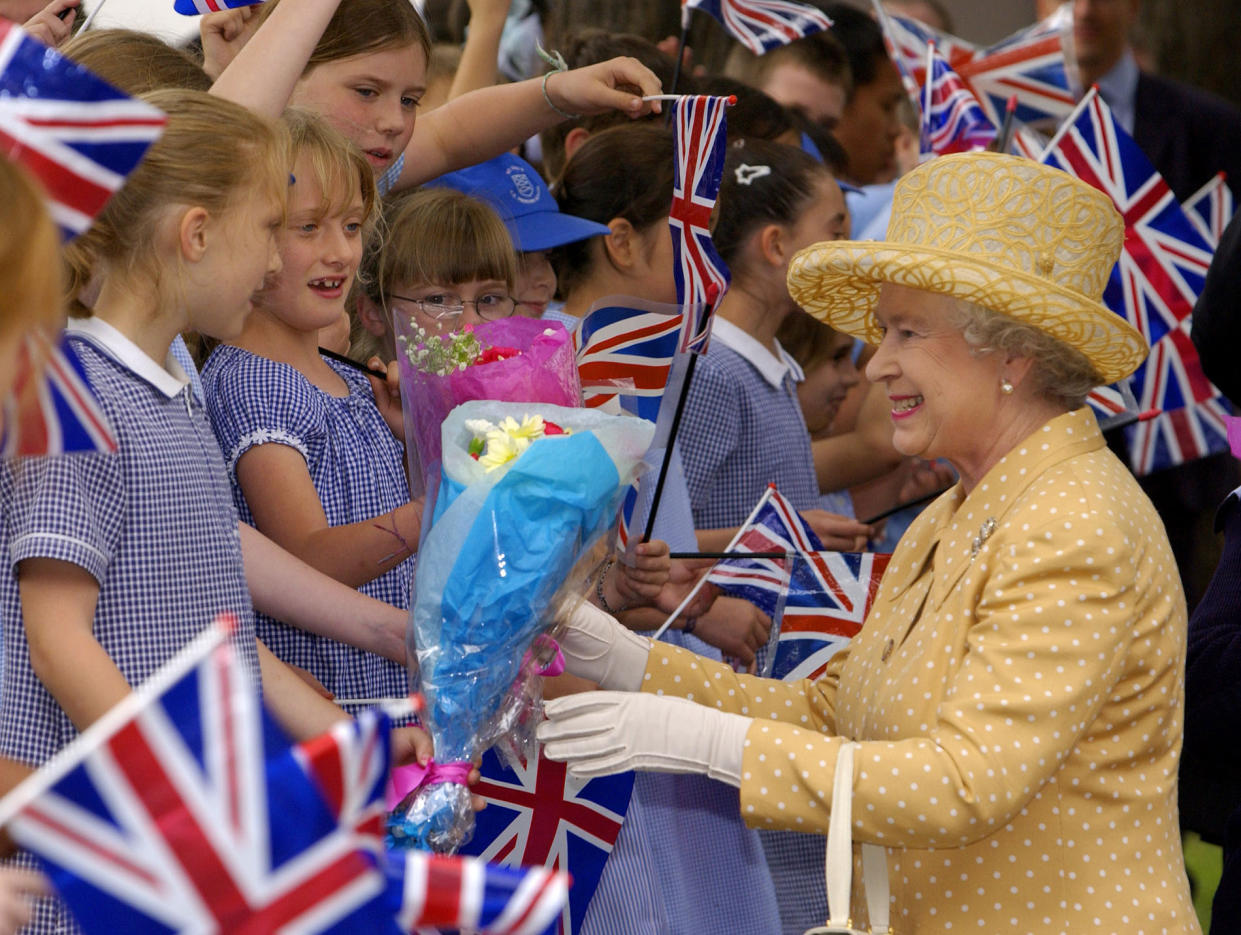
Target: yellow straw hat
1006,233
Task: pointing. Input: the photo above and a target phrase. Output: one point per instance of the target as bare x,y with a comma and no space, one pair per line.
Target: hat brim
838,282
545,230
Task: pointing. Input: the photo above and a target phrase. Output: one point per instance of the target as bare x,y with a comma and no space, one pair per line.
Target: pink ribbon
410,778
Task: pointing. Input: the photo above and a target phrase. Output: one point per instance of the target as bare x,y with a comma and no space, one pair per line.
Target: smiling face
371,98
945,396
320,249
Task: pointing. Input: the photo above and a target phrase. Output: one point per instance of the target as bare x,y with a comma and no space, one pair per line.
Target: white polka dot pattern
1021,736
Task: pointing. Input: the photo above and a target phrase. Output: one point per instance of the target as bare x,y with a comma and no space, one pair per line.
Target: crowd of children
233,307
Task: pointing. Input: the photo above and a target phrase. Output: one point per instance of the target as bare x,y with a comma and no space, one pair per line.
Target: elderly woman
1017,688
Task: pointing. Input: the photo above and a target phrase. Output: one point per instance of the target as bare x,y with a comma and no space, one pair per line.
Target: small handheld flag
198,7
762,25
952,121
78,135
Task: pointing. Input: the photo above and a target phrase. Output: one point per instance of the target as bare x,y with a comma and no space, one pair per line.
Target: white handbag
840,861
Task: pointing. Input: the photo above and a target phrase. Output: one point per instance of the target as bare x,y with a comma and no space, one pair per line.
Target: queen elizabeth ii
1016,692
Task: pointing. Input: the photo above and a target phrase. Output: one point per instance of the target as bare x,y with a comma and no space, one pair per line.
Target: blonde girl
314,466
119,560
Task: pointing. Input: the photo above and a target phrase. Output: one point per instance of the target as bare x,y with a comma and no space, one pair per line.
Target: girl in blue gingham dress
117,561
743,427
313,463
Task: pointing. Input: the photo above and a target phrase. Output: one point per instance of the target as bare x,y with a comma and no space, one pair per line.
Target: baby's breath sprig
441,354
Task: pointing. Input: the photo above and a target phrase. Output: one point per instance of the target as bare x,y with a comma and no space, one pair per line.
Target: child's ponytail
29,248
211,152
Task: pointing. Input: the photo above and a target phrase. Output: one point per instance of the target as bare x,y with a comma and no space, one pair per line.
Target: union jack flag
701,276
470,894
625,352
818,599
1030,64
1210,208
1162,267
52,409
184,809
197,7
539,816
76,134
952,121
762,25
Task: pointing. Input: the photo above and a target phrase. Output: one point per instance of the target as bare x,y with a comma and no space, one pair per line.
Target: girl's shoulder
233,376
354,378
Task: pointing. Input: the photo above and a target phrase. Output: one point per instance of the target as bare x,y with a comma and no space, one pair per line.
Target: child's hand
617,84
17,889
641,582
682,578
838,533
388,395
413,745
224,34
736,628
47,25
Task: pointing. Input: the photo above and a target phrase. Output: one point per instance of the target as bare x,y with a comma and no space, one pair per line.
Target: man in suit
1188,134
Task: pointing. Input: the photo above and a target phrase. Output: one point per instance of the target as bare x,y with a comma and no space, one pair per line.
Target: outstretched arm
485,123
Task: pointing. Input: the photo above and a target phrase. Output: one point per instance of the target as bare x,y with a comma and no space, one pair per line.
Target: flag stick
90,18
731,545
672,438
1004,138
686,13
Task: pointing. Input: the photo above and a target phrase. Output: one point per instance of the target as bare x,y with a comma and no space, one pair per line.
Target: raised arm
484,123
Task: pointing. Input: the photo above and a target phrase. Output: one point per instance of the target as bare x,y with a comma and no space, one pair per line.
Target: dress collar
169,379
771,367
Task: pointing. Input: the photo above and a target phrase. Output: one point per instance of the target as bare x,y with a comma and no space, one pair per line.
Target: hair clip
747,174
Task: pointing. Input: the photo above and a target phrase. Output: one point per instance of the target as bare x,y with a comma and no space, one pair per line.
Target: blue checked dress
742,429
154,523
684,862
358,470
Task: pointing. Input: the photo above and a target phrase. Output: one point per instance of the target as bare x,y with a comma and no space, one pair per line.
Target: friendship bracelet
558,65
405,546
603,601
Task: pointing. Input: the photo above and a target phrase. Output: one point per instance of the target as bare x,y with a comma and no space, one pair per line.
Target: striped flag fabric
78,135
1031,64
1162,268
818,600
538,816
702,277
52,409
198,7
1211,208
952,120
762,25
625,353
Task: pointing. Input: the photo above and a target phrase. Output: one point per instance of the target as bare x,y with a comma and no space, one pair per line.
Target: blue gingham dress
154,523
358,470
739,433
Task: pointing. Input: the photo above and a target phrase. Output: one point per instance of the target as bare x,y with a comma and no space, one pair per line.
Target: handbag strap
840,856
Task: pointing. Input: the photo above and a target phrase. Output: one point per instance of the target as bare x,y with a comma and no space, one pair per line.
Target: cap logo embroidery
525,190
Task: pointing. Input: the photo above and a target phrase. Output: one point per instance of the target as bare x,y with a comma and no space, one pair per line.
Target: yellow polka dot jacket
1018,693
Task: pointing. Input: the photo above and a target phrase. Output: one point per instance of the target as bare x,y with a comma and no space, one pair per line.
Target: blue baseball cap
512,186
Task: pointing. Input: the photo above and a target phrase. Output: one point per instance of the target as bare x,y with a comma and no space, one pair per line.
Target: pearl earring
1006,387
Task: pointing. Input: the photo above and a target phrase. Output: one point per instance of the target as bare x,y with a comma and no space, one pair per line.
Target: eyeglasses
445,305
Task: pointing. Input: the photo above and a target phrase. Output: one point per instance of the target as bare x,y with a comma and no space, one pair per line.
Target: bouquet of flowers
525,490
513,359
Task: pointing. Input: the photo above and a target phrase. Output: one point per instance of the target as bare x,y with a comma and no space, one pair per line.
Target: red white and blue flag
625,353
952,120
52,409
539,816
198,7
1161,271
1211,207
1030,64
78,135
817,600
701,276
183,809
763,25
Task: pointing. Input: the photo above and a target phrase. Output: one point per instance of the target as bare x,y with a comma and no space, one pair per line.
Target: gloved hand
598,648
599,733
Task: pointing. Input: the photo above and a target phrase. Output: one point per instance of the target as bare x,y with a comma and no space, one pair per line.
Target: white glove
599,733
598,648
